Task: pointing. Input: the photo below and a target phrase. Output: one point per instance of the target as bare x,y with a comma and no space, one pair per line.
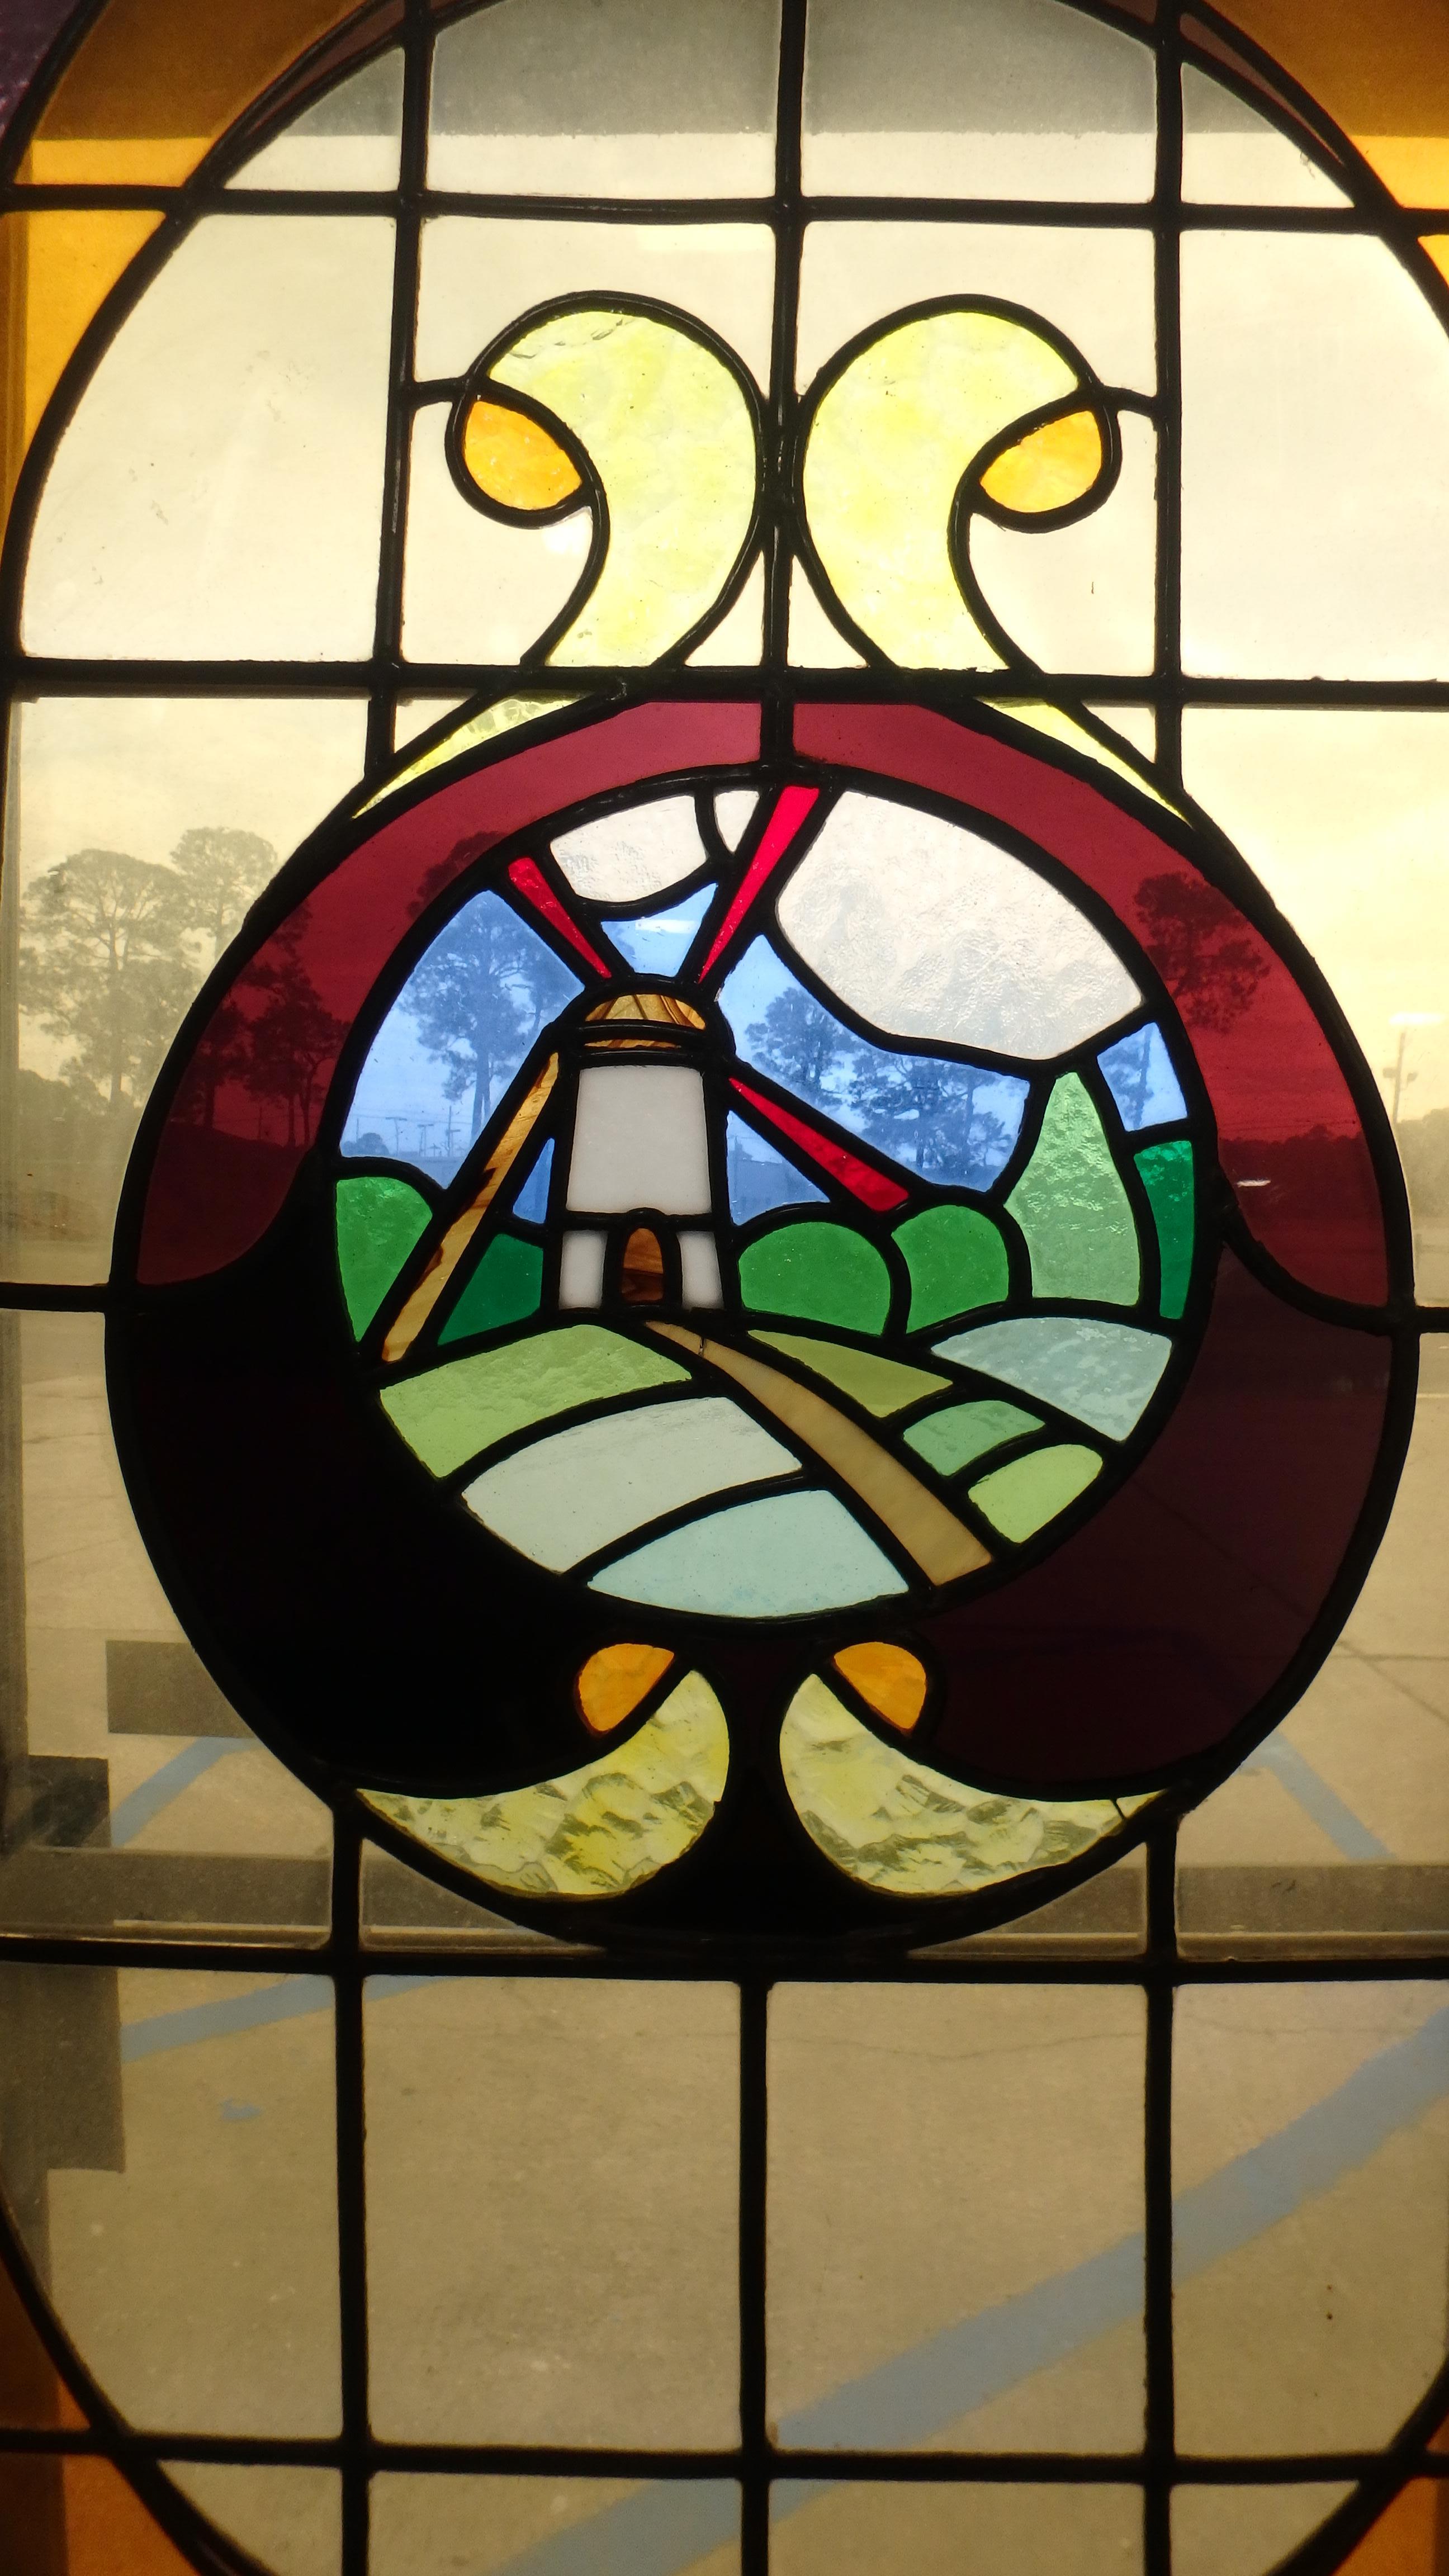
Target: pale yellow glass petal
596,1831
890,442
502,717
669,434
894,1824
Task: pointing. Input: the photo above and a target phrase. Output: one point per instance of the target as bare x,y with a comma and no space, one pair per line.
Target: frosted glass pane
571,1494
581,1269
551,2205
474,588
627,856
640,100
640,1140
1311,2153
1315,415
766,1560
137,1794
219,490
479,274
1231,156
1082,598
1011,2530
927,930
290,2519
1344,817
350,139
1245,2531
1094,286
955,2218
459,2526
202,2296
215,791
975,98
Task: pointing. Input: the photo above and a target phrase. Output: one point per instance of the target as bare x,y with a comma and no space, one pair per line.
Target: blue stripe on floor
1348,1836
135,1812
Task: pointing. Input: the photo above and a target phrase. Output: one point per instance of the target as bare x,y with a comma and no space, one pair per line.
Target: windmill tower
643,1160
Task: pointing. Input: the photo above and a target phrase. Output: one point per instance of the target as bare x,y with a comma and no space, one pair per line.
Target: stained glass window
724,1214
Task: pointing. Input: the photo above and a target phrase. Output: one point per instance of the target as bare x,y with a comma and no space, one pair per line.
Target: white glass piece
625,857
1232,156
640,1141
350,139
581,1270
975,98
1096,286
575,1492
1246,2531
289,2519
476,589
1140,1078
815,642
740,634
1082,598
219,490
480,274
929,931
641,99
1315,422
732,813
658,942
765,1560
1105,1374
699,1270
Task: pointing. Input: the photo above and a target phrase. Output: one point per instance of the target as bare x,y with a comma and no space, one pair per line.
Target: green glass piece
667,429
1021,1498
827,1273
956,1259
950,1439
894,1823
379,1219
1106,1374
879,1386
1167,1178
505,1287
1073,1209
452,1413
607,1826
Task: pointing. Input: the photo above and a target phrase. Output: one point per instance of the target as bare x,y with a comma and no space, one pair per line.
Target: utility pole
1395,1073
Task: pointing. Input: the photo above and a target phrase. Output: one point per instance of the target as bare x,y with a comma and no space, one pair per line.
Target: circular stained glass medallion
862,1385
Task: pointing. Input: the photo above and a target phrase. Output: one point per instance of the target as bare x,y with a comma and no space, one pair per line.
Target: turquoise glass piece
504,1288
760,1179
1021,1497
532,1200
658,942
1168,1180
960,1433
1139,1075
1105,1374
580,1490
770,1559
1073,1209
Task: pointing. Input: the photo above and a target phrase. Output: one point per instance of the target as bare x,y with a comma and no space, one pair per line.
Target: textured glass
825,1272
552,97
955,2217
879,1386
566,1497
1021,1497
146,826
929,931
764,1560
202,2297
997,98
659,942
1310,2143
1072,1208
1315,402
348,140
136,1794
290,2519
896,1824
1250,2529
451,1414
1139,1075
586,2292
818,2530
611,1825
621,858
960,1433
506,1285
379,1219
1343,816
1106,1374
239,518
956,1259
492,2526
1167,1177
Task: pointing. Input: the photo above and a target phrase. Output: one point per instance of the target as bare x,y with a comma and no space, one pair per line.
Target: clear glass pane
551,2206
168,2154
135,1796
348,140
219,488
1335,1832
290,2519
558,98
434,2526
975,98
1012,2530
1104,1918
105,794
955,2217
1311,2218
403,1910
1315,412
1250,2529
1232,156
1343,816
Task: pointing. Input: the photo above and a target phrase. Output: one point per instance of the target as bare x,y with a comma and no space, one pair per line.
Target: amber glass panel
58,266
1381,71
